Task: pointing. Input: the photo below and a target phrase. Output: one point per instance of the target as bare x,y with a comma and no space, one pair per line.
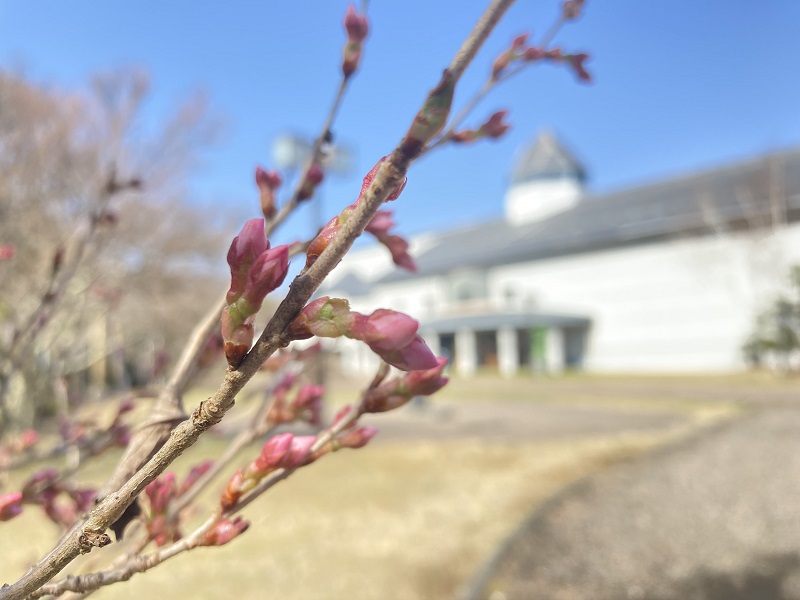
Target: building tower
546,180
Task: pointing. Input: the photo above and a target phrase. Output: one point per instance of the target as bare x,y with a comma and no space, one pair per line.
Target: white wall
680,306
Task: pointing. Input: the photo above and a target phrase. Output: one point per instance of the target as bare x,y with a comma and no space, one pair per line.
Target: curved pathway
715,518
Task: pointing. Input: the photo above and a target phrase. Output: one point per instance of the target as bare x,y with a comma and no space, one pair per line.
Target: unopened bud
10,505
413,357
571,9
495,126
224,531
357,27
313,178
268,182
196,473
357,438
431,119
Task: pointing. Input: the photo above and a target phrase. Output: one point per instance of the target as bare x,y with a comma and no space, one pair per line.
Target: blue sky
679,86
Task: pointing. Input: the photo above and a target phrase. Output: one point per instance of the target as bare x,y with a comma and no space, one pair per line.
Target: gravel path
717,518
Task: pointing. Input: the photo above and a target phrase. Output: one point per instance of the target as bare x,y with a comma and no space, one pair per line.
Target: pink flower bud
425,383
576,61
224,531
38,483
298,454
307,405
272,455
398,247
357,28
571,9
83,498
265,275
357,438
7,251
494,126
506,58
313,178
161,492
518,43
10,505
268,182
386,330
413,357
431,119
356,25
398,392
163,531
194,474
380,224
245,249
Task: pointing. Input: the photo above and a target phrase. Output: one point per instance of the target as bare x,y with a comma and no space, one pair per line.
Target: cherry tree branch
390,175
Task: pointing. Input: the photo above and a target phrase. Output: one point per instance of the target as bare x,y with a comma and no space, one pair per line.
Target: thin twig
314,159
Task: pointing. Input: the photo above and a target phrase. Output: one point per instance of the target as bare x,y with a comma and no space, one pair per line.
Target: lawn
402,518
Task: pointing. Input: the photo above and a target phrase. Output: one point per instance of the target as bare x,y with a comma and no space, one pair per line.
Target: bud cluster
494,128
332,228
162,527
62,502
256,270
520,51
390,334
399,391
305,406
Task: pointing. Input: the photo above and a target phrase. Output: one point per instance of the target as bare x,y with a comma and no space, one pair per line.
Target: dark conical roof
546,158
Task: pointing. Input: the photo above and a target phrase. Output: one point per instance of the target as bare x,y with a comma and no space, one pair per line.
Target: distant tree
775,341
100,246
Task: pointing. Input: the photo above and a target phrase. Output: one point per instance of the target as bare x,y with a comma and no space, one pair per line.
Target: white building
665,277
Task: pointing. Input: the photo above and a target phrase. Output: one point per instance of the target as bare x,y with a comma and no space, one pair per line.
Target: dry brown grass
399,519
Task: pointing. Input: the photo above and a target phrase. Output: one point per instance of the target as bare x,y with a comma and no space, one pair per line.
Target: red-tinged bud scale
10,505
268,182
224,531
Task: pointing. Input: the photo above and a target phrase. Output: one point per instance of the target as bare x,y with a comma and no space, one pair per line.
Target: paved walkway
715,518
